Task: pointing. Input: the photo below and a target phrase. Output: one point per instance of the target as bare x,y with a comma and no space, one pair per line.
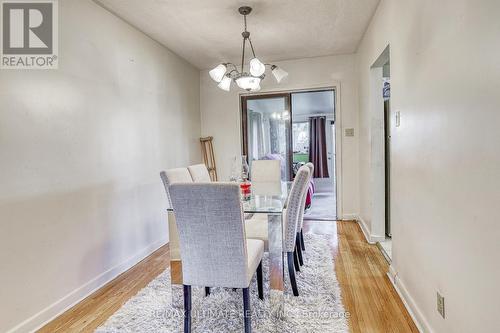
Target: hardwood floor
93,311
367,293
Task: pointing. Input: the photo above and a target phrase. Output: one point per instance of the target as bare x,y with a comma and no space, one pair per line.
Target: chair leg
260,282
296,260
207,291
299,255
302,240
291,272
187,309
246,310
298,248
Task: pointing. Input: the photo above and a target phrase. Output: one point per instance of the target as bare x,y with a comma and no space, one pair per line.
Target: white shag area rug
318,308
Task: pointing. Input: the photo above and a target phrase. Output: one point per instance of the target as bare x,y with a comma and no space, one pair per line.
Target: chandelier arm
230,73
234,66
251,45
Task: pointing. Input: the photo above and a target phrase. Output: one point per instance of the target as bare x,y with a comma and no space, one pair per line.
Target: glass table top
265,198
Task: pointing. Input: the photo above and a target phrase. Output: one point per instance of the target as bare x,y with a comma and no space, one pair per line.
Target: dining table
269,199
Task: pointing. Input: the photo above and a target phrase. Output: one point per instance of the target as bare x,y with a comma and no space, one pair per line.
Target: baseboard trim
372,239
384,253
48,314
364,229
349,217
410,305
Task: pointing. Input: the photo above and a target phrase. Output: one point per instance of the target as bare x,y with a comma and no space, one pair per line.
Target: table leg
276,273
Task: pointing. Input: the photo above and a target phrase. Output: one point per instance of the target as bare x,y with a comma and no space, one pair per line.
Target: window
300,132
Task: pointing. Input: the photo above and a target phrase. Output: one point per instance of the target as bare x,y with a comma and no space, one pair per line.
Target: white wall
220,113
445,79
81,149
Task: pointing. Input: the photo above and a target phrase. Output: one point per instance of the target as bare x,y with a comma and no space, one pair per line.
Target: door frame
378,149
339,139
387,166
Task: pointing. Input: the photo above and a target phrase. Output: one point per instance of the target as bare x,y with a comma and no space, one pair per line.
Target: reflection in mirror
268,128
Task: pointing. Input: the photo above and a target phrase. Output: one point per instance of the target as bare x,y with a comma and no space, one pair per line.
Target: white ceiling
206,33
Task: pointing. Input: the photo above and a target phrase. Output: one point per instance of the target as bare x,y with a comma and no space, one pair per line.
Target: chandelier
227,72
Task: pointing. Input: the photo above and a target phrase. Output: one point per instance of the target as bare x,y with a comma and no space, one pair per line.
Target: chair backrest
266,177
295,206
211,233
310,165
199,173
304,197
172,176
266,171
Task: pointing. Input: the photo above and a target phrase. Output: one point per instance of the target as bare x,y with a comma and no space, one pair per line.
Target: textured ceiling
206,33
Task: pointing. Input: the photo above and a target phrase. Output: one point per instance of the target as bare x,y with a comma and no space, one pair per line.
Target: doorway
295,127
381,151
313,127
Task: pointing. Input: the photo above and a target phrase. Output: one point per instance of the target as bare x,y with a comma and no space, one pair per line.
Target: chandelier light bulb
279,74
217,74
255,84
225,83
248,82
255,89
257,68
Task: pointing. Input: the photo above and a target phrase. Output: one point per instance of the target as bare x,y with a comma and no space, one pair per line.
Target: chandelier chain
243,54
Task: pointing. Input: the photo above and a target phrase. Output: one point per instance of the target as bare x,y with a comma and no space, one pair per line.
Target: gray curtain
317,146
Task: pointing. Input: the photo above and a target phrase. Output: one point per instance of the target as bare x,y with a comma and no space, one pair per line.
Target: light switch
398,118
349,132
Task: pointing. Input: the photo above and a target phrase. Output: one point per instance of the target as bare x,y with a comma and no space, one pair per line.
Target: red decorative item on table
245,190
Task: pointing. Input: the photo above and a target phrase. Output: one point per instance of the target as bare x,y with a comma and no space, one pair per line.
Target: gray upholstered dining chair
266,177
172,176
210,257
310,165
169,177
199,173
257,227
266,171
300,222
301,219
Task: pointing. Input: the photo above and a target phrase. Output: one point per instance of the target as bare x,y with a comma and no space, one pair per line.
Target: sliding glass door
266,129
294,127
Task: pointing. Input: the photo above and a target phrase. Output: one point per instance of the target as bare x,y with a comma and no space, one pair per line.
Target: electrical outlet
440,304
